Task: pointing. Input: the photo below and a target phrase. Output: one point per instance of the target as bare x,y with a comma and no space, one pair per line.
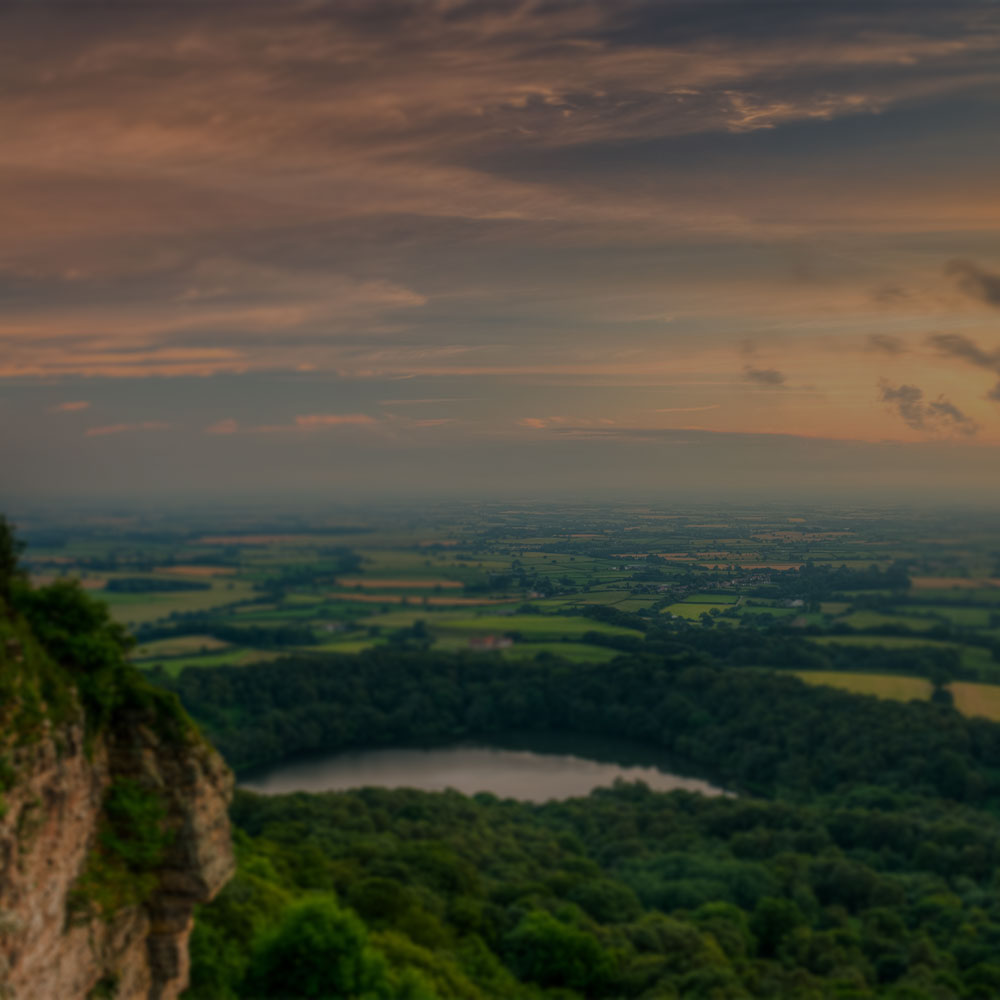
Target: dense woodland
757,731
623,894
859,859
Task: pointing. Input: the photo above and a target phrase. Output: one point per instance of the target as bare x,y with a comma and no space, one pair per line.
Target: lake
534,769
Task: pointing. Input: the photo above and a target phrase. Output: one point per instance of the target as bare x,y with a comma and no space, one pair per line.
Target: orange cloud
228,426
145,425
72,406
687,409
317,421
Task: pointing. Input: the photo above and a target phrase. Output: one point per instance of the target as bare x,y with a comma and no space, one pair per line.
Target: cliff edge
113,816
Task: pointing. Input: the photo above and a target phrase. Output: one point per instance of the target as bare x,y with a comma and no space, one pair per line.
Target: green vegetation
122,868
152,585
868,870
623,894
62,659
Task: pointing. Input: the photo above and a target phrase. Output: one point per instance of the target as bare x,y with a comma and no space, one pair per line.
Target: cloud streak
955,345
937,416
975,281
109,430
769,377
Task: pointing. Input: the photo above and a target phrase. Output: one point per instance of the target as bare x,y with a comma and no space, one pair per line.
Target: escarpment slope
113,821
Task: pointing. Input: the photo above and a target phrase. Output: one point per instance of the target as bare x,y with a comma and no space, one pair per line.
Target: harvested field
196,570
952,582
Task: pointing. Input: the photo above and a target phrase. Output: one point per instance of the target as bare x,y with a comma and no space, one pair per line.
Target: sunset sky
524,246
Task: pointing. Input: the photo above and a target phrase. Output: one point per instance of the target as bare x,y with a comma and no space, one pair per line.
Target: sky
384,247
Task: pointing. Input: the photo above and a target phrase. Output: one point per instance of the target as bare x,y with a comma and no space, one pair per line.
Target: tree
551,953
11,548
318,952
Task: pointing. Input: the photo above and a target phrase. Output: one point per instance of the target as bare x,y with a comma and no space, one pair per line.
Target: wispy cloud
319,421
955,345
886,343
71,406
110,429
687,409
764,376
975,281
546,423
936,416
227,426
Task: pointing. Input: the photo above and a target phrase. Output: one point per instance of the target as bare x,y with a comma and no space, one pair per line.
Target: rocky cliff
111,831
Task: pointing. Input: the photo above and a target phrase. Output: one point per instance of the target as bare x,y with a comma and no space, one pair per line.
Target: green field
966,617
974,658
693,612
712,599
876,619
759,609
536,626
226,658
179,646
141,609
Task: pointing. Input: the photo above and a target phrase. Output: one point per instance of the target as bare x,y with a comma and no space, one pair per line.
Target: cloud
687,409
561,423
318,421
199,189
975,281
227,426
109,429
937,416
421,402
886,343
955,345
763,376
72,406
431,422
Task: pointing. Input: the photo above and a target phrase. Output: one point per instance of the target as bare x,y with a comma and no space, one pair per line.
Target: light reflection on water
519,774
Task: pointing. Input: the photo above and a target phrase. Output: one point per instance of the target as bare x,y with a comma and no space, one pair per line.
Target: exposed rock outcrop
55,942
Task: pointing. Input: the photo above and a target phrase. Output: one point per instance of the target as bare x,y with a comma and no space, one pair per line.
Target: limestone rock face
49,949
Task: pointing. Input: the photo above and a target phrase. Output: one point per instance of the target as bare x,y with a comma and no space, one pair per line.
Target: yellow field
952,582
882,685
970,699
197,570
977,699
88,583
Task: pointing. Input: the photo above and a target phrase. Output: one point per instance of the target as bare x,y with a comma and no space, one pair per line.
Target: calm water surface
534,774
